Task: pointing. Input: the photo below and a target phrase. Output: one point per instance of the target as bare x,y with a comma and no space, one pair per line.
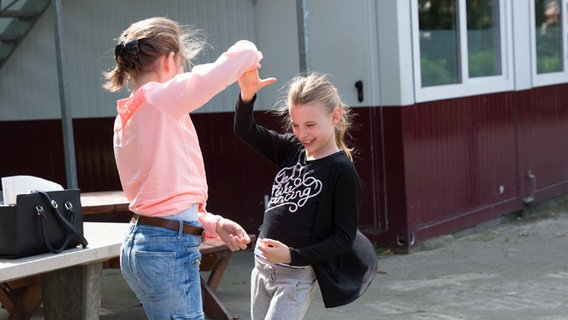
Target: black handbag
42,222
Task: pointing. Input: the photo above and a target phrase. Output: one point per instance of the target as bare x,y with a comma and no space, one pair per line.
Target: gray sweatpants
280,293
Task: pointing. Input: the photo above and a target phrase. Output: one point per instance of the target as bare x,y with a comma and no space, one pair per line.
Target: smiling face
314,126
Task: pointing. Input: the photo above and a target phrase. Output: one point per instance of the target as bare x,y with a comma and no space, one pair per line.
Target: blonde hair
141,44
315,88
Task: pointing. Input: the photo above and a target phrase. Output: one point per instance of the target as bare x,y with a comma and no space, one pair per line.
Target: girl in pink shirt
160,163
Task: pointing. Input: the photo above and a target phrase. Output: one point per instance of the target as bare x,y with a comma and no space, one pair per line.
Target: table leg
72,293
216,263
212,306
219,269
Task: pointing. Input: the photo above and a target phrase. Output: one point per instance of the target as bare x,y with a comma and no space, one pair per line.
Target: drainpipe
66,117
303,36
528,200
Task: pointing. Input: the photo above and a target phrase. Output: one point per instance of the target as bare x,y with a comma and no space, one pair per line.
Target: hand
275,251
250,83
234,236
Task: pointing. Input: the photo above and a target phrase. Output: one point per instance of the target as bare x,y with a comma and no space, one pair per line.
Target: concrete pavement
511,269
516,270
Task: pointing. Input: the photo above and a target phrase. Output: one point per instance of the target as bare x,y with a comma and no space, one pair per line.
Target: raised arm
250,83
191,90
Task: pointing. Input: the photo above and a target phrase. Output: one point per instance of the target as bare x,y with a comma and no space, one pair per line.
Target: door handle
359,86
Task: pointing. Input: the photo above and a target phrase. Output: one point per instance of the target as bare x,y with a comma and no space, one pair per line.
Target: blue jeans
162,267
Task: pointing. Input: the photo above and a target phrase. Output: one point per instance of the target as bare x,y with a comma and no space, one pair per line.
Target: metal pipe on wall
303,35
66,116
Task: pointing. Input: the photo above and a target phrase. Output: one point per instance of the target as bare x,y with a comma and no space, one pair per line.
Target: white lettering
293,186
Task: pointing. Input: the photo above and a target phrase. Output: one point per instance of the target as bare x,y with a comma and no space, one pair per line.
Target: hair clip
128,51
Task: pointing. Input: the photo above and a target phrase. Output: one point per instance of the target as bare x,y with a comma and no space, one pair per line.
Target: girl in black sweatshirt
309,231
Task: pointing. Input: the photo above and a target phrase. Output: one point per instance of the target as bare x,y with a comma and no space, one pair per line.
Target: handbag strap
43,216
70,227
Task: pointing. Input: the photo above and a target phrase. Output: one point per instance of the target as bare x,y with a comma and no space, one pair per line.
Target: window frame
468,86
551,78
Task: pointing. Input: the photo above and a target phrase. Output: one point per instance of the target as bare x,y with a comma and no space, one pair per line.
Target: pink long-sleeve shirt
156,146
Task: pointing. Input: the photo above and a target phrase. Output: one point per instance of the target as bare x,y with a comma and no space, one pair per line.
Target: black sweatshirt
313,209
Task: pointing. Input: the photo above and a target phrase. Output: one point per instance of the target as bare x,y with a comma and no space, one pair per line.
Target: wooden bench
21,297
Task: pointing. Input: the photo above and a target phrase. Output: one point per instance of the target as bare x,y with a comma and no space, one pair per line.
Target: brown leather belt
168,224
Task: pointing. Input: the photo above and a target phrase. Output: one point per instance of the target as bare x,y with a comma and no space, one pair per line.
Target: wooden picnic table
68,283
21,288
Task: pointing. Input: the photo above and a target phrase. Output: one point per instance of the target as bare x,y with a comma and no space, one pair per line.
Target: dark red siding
32,148
428,169
543,141
238,178
96,170
460,160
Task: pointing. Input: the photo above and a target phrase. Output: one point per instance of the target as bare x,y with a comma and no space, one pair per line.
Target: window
439,42
461,48
549,39
483,38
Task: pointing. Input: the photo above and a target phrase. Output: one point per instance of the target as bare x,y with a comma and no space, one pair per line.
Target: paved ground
516,269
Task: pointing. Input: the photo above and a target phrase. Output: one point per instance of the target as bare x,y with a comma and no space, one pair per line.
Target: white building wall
343,39
352,40
342,42
29,83
278,40
521,44
28,80
395,53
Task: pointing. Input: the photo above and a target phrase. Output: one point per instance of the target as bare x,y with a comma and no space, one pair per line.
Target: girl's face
314,126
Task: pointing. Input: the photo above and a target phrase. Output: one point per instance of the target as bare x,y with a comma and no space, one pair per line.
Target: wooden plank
104,202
